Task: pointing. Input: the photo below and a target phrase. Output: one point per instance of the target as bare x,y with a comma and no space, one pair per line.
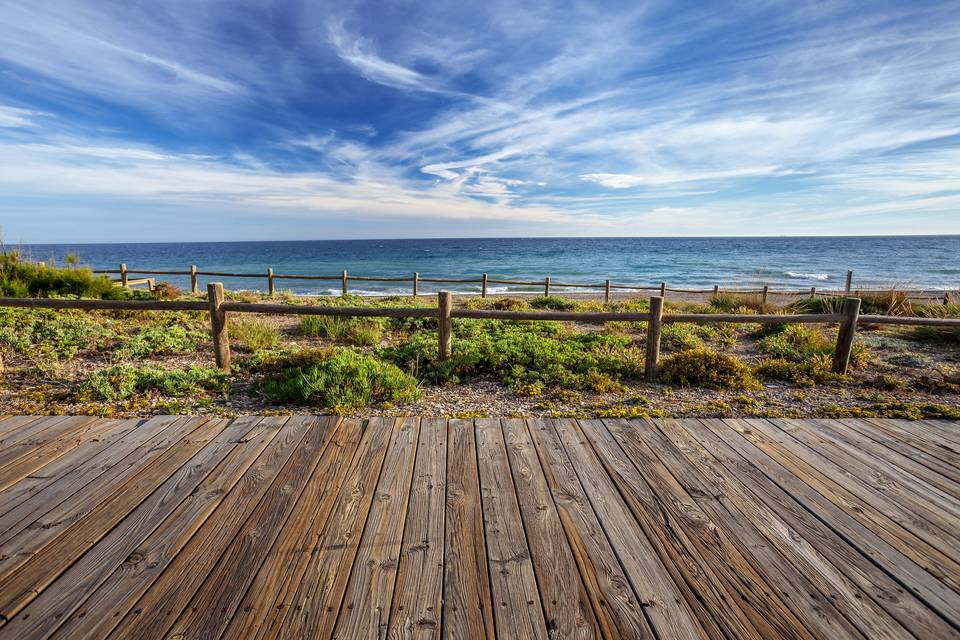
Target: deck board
325,527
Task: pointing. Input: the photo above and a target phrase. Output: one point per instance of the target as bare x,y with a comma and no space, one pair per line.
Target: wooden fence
218,308
484,280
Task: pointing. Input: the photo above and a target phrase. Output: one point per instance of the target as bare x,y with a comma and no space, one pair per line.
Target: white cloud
358,53
14,117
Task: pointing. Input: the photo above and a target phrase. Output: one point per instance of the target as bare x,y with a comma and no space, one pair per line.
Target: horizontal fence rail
484,280
218,309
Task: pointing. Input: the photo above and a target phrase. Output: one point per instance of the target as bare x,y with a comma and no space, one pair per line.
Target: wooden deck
317,527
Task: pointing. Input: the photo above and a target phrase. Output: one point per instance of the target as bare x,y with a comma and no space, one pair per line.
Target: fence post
606,292
946,297
343,281
416,282
123,275
663,289
763,300
270,281
483,288
653,337
813,291
846,289
193,278
445,305
218,325
546,286
848,330
716,290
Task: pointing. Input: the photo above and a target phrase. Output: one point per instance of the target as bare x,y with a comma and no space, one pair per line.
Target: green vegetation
253,333
49,335
545,354
361,332
708,369
340,380
169,335
21,278
800,343
679,336
805,374
891,409
121,381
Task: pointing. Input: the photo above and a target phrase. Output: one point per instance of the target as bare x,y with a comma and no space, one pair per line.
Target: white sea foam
807,276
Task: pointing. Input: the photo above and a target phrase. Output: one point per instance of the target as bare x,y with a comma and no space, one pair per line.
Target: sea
915,262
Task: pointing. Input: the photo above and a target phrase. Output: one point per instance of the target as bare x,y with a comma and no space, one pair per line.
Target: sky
244,120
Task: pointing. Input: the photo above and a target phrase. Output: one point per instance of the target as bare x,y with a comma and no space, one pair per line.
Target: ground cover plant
139,363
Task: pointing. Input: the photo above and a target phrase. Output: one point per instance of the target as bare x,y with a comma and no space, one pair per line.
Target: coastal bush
341,381
498,304
253,333
677,336
355,331
796,342
805,374
933,335
165,336
739,303
708,369
520,353
121,381
554,303
890,409
21,278
46,333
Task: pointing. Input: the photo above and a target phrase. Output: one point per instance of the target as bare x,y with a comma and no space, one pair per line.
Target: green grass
341,380
360,332
51,335
253,333
707,369
808,373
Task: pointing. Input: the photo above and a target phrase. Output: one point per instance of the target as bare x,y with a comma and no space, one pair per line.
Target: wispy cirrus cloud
774,117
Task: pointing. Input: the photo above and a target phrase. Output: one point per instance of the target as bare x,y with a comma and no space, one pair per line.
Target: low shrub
891,409
50,334
933,335
805,374
677,336
167,336
708,369
499,304
554,303
796,342
21,278
121,381
519,353
342,381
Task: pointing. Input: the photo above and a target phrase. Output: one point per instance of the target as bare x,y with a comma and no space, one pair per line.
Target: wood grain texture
323,527
517,610
467,611
418,597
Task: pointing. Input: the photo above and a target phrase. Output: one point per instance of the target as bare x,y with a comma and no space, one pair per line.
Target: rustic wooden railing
218,308
484,280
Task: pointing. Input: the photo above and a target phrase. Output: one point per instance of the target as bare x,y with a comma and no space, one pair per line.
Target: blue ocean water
783,262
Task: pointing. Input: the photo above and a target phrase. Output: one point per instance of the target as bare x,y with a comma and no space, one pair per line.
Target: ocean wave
806,276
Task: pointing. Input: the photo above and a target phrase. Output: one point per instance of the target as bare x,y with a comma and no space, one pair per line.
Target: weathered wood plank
73,587
275,585
365,612
517,609
56,470
79,490
668,611
317,602
909,599
29,427
212,606
943,475
467,608
903,530
906,434
83,430
619,613
809,584
160,605
109,603
33,438
416,608
23,584
12,424
566,606
720,584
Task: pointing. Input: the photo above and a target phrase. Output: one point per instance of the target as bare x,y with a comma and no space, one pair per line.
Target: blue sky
204,120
